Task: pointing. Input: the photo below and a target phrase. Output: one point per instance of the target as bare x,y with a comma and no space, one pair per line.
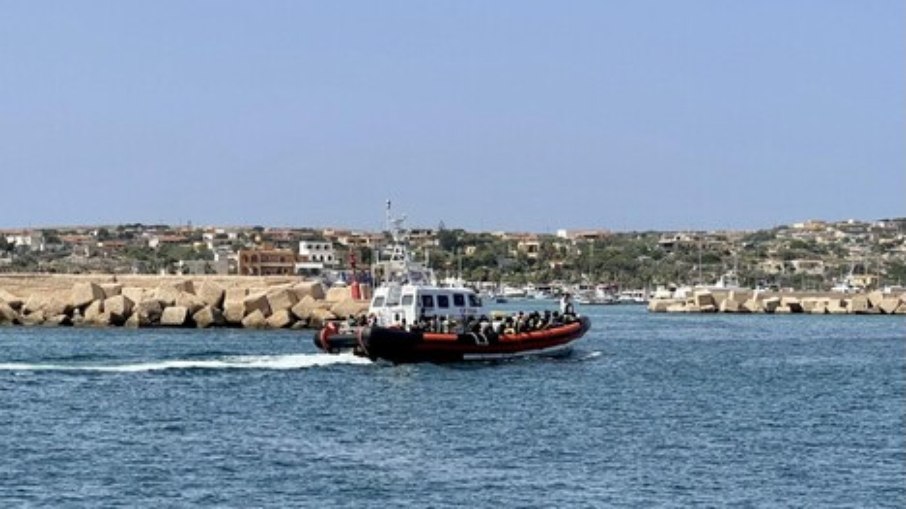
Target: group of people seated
496,325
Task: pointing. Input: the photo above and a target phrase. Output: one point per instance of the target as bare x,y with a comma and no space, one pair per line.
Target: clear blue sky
487,115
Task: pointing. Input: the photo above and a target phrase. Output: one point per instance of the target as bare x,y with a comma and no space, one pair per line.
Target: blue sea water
650,410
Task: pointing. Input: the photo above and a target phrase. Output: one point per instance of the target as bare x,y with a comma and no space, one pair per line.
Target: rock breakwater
819,303
172,301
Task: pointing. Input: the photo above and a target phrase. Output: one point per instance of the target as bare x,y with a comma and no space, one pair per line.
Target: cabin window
428,301
443,301
378,302
459,300
408,299
474,301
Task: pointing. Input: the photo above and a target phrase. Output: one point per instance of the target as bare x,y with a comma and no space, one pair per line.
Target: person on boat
566,305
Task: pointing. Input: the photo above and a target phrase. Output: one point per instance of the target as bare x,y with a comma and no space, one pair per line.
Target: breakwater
819,303
172,301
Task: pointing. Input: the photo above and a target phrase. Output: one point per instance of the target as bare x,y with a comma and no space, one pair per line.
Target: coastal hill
812,255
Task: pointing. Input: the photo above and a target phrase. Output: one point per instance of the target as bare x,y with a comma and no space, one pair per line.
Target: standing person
566,304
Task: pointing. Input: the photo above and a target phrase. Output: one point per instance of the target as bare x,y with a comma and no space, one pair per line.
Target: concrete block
770,304
190,301
280,319
337,293
255,320
875,298
174,316
13,301
889,305
858,304
112,290
207,316
211,293
256,302
281,299
84,293
349,307
309,288
119,307
8,315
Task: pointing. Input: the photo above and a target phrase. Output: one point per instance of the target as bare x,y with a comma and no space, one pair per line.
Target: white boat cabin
394,303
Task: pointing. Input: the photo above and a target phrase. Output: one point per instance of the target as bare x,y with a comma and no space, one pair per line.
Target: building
315,256
267,262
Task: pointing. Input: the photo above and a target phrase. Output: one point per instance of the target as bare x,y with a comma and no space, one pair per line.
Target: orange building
267,262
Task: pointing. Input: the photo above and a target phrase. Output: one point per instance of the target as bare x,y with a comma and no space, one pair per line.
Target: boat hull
400,346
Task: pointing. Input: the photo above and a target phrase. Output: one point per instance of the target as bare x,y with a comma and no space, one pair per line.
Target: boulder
34,318
875,298
836,307
93,311
8,315
185,285
770,304
659,305
819,308
190,301
11,300
303,309
174,316
84,293
901,309
255,320
233,306
112,290
753,306
349,307
314,289
337,293
280,319
134,294
858,304
167,294
207,317
729,305
211,293
119,307
148,312
59,320
281,300
53,303
738,296
791,303
676,307
808,304
703,298
102,319
256,302
319,317
889,305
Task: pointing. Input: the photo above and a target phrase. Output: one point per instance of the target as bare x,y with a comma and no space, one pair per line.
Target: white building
316,254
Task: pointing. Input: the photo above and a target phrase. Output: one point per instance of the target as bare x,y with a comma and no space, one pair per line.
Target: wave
265,362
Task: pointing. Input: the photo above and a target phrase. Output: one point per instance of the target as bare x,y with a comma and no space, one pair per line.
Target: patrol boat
413,319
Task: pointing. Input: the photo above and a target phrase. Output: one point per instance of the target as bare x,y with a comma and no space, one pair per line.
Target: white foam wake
281,362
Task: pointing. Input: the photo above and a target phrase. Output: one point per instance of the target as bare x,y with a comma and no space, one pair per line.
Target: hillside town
811,255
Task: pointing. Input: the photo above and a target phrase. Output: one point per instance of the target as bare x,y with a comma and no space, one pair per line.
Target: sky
486,115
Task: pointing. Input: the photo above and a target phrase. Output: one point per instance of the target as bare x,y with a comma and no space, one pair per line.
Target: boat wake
263,362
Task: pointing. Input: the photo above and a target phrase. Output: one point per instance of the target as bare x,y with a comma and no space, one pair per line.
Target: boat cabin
395,303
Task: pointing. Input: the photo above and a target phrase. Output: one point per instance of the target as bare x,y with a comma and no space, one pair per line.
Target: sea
650,410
